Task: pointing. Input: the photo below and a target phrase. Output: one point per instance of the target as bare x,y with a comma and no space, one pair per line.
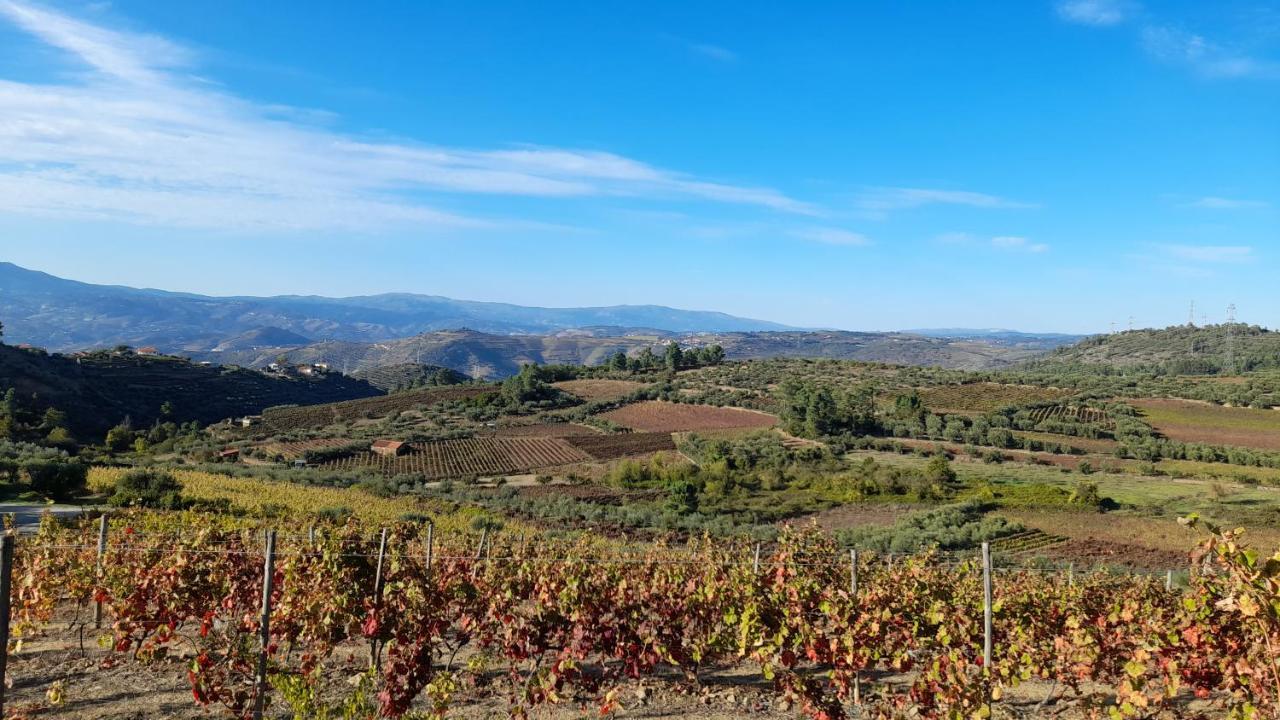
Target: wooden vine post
374,652
431,541
6,576
986,608
264,627
102,551
853,594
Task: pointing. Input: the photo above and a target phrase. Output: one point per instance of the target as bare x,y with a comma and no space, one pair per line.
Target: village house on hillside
389,447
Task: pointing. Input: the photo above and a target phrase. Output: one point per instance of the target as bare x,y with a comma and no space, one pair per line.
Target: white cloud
1206,58
1018,244
1094,12
1221,203
138,139
831,236
954,238
715,52
1210,253
885,199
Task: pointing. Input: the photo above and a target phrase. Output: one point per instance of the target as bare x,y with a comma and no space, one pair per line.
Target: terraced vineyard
1072,413
599,389
985,397
469,456
292,450
611,447
543,430
1026,542
284,419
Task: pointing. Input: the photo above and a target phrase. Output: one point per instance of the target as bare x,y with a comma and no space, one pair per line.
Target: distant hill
389,378
58,314
472,353
262,337
99,390
999,335
1179,349
485,355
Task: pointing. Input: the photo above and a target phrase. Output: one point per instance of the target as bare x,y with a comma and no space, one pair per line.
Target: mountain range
480,339
60,314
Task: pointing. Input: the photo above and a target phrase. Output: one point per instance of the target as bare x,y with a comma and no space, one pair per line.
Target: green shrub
335,515
147,488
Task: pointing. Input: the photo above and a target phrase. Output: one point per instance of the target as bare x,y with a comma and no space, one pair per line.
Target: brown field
470,456
543,430
599,389
611,447
1113,539
1198,422
985,397
293,418
657,416
292,450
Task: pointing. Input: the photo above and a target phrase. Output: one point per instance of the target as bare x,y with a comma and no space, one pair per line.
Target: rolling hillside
484,355
1177,350
102,389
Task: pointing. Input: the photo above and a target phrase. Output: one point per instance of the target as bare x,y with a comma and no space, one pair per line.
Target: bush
147,488
335,515
55,478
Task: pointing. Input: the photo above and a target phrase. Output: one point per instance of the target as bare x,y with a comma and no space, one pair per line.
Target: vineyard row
819,628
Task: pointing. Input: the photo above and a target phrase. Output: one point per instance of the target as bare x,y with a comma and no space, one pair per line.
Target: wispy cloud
1002,243
136,138
1222,203
1168,43
1209,253
1095,12
1209,59
715,52
1015,243
887,199
831,236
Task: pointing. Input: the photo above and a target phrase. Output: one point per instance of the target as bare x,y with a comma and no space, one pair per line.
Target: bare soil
657,416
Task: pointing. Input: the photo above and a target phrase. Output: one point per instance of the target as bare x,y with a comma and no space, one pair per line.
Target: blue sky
1056,165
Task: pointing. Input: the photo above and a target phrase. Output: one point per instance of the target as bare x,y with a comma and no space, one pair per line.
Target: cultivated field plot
469,456
1073,414
1093,445
665,417
985,397
590,389
294,418
292,450
612,447
545,430
1189,421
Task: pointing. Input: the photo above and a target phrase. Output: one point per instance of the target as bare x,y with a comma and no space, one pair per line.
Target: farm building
389,447
148,350
229,455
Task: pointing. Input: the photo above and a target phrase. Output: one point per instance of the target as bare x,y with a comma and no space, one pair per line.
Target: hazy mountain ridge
484,355
484,340
59,314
